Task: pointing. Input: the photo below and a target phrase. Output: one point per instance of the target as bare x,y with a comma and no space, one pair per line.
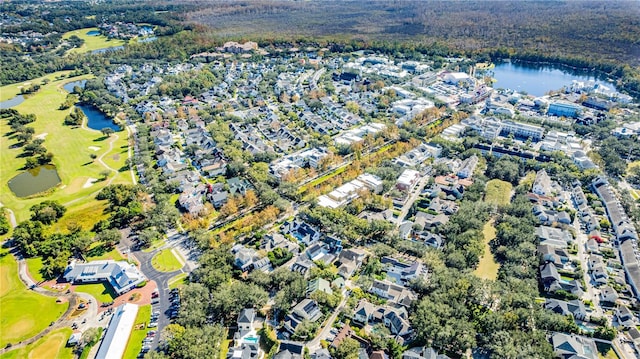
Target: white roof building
122,276
117,335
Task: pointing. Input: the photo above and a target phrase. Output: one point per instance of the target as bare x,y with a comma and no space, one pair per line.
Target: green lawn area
177,281
165,261
224,348
101,291
71,147
11,90
35,266
498,192
96,252
608,351
91,42
488,268
51,346
24,312
135,339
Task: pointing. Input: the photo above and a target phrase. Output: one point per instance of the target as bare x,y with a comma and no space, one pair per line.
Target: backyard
24,312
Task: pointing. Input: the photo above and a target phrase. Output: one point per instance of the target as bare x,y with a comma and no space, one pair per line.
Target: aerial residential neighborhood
177,188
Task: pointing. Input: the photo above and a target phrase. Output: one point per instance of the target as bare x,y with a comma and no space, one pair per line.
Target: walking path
12,216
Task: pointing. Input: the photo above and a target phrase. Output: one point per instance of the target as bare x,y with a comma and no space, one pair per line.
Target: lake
96,119
107,49
70,85
537,80
15,101
93,33
34,181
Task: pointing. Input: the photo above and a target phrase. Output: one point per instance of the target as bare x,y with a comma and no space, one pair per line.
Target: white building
407,180
117,335
122,276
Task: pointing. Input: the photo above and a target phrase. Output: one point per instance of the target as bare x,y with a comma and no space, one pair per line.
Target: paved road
314,344
412,197
12,216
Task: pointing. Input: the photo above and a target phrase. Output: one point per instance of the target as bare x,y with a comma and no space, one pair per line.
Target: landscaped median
165,261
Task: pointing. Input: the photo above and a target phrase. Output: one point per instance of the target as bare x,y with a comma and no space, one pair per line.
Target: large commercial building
122,276
117,335
565,109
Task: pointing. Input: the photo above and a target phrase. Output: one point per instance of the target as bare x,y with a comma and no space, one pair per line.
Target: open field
24,313
135,339
91,42
498,192
488,268
165,261
51,346
70,147
101,291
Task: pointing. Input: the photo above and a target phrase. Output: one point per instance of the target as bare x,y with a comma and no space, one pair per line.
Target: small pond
96,119
70,85
12,102
34,181
93,33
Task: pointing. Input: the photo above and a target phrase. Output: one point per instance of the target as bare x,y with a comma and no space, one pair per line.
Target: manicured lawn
11,90
51,346
608,350
135,339
71,149
498,192
177,281
91,42
165,261
24,312
101,291
35,268
488,268
96,252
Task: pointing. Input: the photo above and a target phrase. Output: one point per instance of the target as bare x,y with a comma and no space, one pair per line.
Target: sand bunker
94,148
41,136
89,183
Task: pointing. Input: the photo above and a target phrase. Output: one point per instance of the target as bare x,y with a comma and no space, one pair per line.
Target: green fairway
91,42
11,90
137,335
24,312
498,192
101,291
51,346
488,268
71,147
165,261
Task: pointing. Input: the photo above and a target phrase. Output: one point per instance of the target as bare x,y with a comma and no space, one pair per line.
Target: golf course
24,312
73,148
92,42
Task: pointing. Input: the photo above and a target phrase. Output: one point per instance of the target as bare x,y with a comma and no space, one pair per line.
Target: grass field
177,281
96,253
608,350
91,42
101,291
165,261
70,147
135,339
51,346
498,192
35,266
488,268
24,312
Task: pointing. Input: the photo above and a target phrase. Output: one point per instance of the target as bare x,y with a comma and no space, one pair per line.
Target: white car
152,325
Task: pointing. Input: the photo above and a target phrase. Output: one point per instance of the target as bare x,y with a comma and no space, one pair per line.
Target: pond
70,85
93,33
107,49
537,79
96,119
34,181
12,102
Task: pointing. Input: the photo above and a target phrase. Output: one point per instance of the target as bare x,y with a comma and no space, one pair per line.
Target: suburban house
555,255
423,353
349,262
467,167
551,280
121,275
244,257
571,346
574,308
290,350
608,294
307,309
625,317
394,293
319,284
301,230
246,338
542,184
396,319
402,271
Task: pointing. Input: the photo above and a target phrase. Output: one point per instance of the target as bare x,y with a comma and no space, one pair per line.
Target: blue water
93,33
251,339
585,328
15,101
96,119
537,80
107,49
70,85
